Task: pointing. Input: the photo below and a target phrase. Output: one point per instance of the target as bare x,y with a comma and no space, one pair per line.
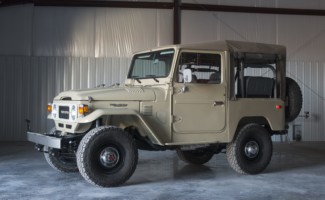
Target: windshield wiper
153,77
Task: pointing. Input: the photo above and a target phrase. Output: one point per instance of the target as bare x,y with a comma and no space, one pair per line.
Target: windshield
155,64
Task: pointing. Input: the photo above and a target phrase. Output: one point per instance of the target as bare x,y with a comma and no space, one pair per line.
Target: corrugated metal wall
45,50
28,83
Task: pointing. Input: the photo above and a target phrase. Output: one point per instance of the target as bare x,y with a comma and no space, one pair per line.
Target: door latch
218,103
184,89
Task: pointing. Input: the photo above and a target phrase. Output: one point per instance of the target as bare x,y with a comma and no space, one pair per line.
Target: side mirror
187,75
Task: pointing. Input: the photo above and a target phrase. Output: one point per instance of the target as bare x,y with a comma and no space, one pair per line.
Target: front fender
121,111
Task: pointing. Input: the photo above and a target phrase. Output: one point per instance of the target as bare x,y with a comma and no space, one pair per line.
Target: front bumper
45,140
53,141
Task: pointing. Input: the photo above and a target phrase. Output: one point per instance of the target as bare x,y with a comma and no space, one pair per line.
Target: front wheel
107,156
251,151
197,157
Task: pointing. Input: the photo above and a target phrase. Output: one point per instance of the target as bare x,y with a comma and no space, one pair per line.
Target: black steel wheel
197,157
60,160
107,156
251,151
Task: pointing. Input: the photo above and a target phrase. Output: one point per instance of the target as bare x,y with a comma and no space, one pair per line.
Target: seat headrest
215,78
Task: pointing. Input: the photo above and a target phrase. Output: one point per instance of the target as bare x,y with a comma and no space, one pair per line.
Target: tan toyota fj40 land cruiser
196,99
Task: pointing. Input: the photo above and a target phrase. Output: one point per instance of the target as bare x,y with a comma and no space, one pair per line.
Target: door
200,107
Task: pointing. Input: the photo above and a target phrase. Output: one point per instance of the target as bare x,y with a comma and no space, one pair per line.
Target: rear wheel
251,151
60,160
197,157
107,156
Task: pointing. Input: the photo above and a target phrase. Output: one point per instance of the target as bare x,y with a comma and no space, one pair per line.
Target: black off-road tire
241,152
294,100
62,163
107,156
196,157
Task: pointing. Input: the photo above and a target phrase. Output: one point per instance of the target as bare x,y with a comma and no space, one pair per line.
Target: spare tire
294,100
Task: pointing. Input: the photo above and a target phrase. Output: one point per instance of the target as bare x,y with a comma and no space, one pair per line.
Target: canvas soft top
237,46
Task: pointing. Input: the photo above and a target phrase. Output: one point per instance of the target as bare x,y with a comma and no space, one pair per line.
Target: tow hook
73,145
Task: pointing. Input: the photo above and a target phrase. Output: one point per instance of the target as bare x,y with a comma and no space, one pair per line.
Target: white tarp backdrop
45,50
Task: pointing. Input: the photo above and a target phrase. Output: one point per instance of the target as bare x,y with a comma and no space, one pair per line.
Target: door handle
218,103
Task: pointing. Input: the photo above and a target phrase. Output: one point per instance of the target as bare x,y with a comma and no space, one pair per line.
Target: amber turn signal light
49,107
83,109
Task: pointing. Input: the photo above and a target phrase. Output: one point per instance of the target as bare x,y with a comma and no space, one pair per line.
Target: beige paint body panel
265,108
195,110
110,94
203,114
236,111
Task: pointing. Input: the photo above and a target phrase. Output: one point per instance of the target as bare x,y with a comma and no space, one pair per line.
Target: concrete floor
297,171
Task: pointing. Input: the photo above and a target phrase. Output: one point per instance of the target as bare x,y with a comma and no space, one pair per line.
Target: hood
109,94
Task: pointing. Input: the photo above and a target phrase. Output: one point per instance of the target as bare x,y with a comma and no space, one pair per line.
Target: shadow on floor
293,156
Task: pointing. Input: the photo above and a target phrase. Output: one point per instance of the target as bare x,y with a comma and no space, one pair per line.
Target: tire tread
90,136
233,148
55,163
294,95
